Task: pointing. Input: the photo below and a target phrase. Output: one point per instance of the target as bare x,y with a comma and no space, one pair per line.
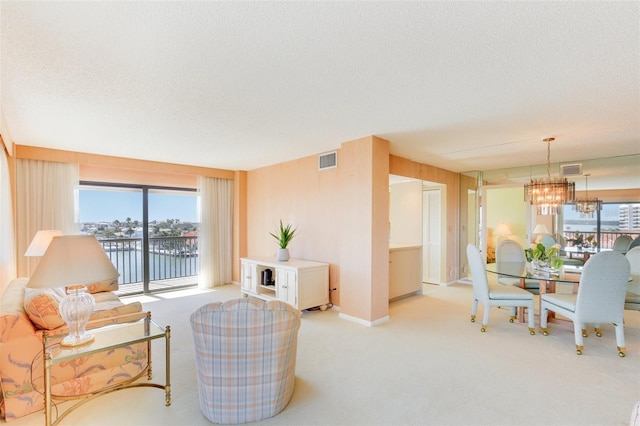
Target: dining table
548,278
583,253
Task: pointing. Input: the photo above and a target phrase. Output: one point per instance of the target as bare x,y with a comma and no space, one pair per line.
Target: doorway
431,235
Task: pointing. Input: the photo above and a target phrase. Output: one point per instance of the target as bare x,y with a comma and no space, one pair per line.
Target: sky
107,206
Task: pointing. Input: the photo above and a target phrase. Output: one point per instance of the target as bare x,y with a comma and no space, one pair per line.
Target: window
150,234
607,224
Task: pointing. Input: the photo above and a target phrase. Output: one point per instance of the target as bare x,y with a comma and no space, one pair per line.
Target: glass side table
106,338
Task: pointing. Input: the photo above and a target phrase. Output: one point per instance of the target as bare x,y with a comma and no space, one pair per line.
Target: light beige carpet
429,365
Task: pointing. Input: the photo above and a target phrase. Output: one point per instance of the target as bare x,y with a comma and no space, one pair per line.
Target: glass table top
567,273
107,337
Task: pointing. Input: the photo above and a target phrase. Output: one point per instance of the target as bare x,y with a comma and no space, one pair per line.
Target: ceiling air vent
571,169
328,160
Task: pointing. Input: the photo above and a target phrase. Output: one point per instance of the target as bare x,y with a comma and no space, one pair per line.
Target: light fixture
587,206
41,241
74,261
549,194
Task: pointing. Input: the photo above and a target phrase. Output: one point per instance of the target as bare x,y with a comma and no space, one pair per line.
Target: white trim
363,322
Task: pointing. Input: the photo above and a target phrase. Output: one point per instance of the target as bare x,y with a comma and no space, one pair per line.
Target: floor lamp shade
73,261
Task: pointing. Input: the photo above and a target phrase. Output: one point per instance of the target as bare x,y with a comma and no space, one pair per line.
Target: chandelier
587,206
549,194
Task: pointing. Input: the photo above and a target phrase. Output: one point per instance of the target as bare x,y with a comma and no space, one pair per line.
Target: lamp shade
73,260
502,229
540,229
41,241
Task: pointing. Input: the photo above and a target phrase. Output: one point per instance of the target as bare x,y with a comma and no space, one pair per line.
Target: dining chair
549,240
500,295
599,300
634,243
621,244
632,298
511,251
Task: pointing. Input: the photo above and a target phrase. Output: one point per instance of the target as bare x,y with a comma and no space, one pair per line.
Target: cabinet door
249,279
286,286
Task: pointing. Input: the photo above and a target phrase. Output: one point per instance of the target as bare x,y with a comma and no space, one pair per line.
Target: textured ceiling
240,85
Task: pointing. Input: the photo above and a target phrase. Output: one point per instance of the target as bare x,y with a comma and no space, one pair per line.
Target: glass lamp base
75,310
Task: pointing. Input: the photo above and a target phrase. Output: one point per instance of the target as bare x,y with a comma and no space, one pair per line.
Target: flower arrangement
544,256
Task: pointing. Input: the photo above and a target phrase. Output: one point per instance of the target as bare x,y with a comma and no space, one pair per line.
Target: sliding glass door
607,224
149,233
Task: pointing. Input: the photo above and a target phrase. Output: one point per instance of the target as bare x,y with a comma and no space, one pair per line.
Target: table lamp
502,230
540,230
41,241
73,261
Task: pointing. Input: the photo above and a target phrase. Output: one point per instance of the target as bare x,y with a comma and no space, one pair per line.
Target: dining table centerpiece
542,257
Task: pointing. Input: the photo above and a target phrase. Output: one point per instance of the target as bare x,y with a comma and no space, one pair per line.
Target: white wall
405,213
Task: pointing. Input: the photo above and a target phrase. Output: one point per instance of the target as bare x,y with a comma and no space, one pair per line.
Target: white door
248,279
431,236
286,286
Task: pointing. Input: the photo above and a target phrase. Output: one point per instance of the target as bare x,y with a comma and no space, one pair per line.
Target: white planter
282,255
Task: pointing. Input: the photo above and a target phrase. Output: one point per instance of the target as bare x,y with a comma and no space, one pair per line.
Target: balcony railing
606,240
172,261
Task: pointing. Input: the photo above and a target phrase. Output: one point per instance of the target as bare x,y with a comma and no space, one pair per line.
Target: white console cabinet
301,283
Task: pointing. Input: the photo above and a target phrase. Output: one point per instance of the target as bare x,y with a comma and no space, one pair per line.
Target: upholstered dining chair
634,243
549,240
599,300
500,295
632,298
245,352
511,251
621,244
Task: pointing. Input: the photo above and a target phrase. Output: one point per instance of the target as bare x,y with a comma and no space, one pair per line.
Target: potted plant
544,257
283,235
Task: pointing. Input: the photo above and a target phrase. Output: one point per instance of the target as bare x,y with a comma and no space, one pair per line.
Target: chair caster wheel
621,354
483,329
578,352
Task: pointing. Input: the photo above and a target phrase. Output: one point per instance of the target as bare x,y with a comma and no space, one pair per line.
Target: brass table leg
47,380
167,389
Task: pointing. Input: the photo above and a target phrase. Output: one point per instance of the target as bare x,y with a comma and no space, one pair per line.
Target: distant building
629,216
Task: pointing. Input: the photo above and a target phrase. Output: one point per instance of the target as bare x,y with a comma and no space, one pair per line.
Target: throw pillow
41,305
106,285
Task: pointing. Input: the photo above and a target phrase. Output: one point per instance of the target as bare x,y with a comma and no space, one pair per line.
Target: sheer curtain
215,236
45,199
7,246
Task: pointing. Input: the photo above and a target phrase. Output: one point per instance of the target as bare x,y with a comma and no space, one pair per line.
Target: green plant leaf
284,234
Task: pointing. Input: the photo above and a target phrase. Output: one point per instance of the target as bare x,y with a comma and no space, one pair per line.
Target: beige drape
215,236
7,247
45,199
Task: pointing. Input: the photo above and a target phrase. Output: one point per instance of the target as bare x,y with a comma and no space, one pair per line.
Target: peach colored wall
364,249
299,194
336,219
403,167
